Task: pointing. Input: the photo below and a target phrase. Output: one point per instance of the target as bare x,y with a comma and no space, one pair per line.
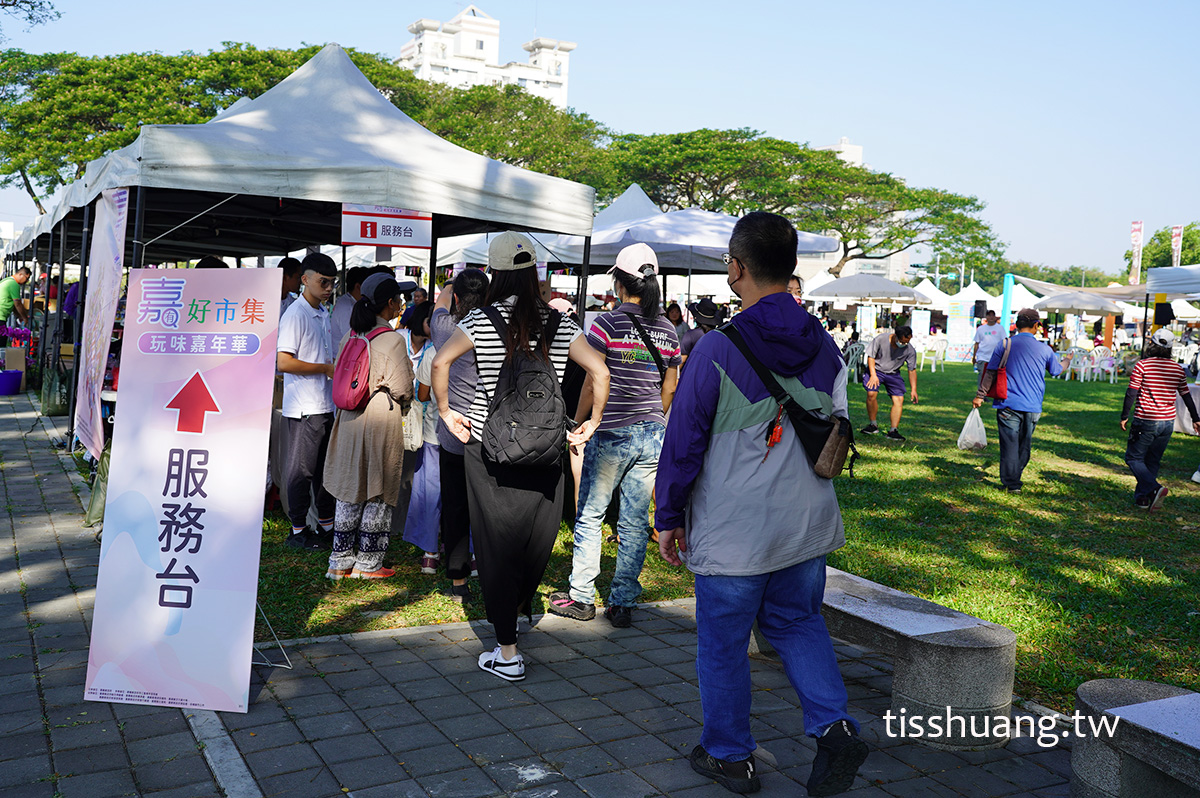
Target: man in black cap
708,316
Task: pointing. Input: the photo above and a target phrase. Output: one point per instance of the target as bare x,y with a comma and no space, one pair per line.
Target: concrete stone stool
1153,750
944,662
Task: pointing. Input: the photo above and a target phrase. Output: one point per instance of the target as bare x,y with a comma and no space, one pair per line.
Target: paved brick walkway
603,712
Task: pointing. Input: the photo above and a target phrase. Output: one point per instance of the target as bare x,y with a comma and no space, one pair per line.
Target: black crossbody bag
826,441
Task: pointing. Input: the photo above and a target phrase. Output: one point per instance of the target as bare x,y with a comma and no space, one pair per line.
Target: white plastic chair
1102,362
939,355
1078,365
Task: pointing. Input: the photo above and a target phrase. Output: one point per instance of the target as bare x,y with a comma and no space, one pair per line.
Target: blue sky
1069,119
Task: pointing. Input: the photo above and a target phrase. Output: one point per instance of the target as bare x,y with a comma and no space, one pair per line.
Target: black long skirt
514,522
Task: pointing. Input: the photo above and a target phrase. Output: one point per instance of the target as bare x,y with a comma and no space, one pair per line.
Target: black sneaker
307,539
895,435
840,753
1008,489
739,777
562,604
460,593
322,541
621,617
870,429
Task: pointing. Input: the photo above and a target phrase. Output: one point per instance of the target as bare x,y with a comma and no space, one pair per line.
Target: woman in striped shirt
1153,385
514,510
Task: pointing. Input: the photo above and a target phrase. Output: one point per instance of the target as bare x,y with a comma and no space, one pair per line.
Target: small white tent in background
974,292
1184,311
939,299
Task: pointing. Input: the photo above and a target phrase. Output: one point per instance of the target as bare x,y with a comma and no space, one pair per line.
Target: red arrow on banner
193,401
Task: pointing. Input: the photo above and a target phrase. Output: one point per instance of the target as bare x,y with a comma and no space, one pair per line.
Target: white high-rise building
465,52
894,267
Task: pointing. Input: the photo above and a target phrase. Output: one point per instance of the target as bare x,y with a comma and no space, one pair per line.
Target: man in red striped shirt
1155,382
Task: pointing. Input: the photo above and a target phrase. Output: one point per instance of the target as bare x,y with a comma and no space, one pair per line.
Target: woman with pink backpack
362,469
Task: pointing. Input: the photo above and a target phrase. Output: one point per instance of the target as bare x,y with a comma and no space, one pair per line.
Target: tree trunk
835,271
32,194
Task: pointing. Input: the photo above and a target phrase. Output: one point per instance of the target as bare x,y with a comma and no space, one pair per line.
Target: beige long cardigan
366,447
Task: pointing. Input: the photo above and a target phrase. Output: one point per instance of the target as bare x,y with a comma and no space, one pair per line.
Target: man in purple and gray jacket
752,520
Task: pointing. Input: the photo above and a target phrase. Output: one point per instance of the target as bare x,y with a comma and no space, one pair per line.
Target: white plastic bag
973,435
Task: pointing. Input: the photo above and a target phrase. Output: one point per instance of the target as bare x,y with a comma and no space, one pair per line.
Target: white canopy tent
973,292
938,299
688,239
1173,280
1022,297
324,134
868,288
631,205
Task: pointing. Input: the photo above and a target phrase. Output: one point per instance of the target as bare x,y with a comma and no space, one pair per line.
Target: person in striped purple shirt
641,350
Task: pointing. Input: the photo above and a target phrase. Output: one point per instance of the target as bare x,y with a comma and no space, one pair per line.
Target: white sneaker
1196,476
510,670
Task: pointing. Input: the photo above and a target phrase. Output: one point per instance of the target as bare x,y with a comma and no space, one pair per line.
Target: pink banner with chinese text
178,580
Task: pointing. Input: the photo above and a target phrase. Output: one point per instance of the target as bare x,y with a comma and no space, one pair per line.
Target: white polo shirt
304,334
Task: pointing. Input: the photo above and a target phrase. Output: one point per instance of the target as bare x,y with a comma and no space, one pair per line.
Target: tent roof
321,137
938,298
1173,280
974,292
1126,292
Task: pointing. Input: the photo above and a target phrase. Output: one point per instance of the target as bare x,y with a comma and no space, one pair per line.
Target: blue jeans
626,457
787,604
1016,439
1143,454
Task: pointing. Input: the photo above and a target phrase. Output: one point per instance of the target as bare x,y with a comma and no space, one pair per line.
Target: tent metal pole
1145,324
434,231
345,288
580,294
77,321
56,353
41,347
689,288
139,249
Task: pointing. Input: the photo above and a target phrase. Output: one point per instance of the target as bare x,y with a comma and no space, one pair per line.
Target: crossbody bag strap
768,379
658,361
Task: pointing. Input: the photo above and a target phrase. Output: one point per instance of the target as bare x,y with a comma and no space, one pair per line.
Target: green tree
512,125
1156,250
727,171
876,215
33,12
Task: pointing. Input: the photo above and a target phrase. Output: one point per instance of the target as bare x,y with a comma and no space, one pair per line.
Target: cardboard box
14,359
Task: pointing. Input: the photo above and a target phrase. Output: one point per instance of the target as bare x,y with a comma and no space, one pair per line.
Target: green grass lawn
1092,586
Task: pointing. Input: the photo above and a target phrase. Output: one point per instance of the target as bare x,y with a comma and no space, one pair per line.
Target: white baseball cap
1163,337
634,259
510,251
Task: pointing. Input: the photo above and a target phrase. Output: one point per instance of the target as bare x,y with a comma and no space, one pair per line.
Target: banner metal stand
266,662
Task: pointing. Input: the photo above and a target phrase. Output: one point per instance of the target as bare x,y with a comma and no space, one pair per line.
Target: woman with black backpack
515,435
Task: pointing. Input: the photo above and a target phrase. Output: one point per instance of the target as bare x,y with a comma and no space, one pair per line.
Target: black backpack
527,418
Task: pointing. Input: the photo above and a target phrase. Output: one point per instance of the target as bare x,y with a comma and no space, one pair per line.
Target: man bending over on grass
751,518
886,353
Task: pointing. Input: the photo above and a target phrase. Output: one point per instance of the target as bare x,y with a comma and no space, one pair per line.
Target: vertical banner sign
959,330
865,322
100,311
1176,244
921,322
1135,238
175,596
381,226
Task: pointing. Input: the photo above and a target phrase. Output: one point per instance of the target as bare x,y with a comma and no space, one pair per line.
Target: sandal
381,573
429,563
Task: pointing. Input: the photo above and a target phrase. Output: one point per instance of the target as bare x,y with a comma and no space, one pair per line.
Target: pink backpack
352,376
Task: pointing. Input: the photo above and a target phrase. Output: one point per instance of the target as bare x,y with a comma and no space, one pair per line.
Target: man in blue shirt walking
1017,415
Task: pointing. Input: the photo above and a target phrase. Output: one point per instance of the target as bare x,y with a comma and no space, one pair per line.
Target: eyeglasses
728,259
